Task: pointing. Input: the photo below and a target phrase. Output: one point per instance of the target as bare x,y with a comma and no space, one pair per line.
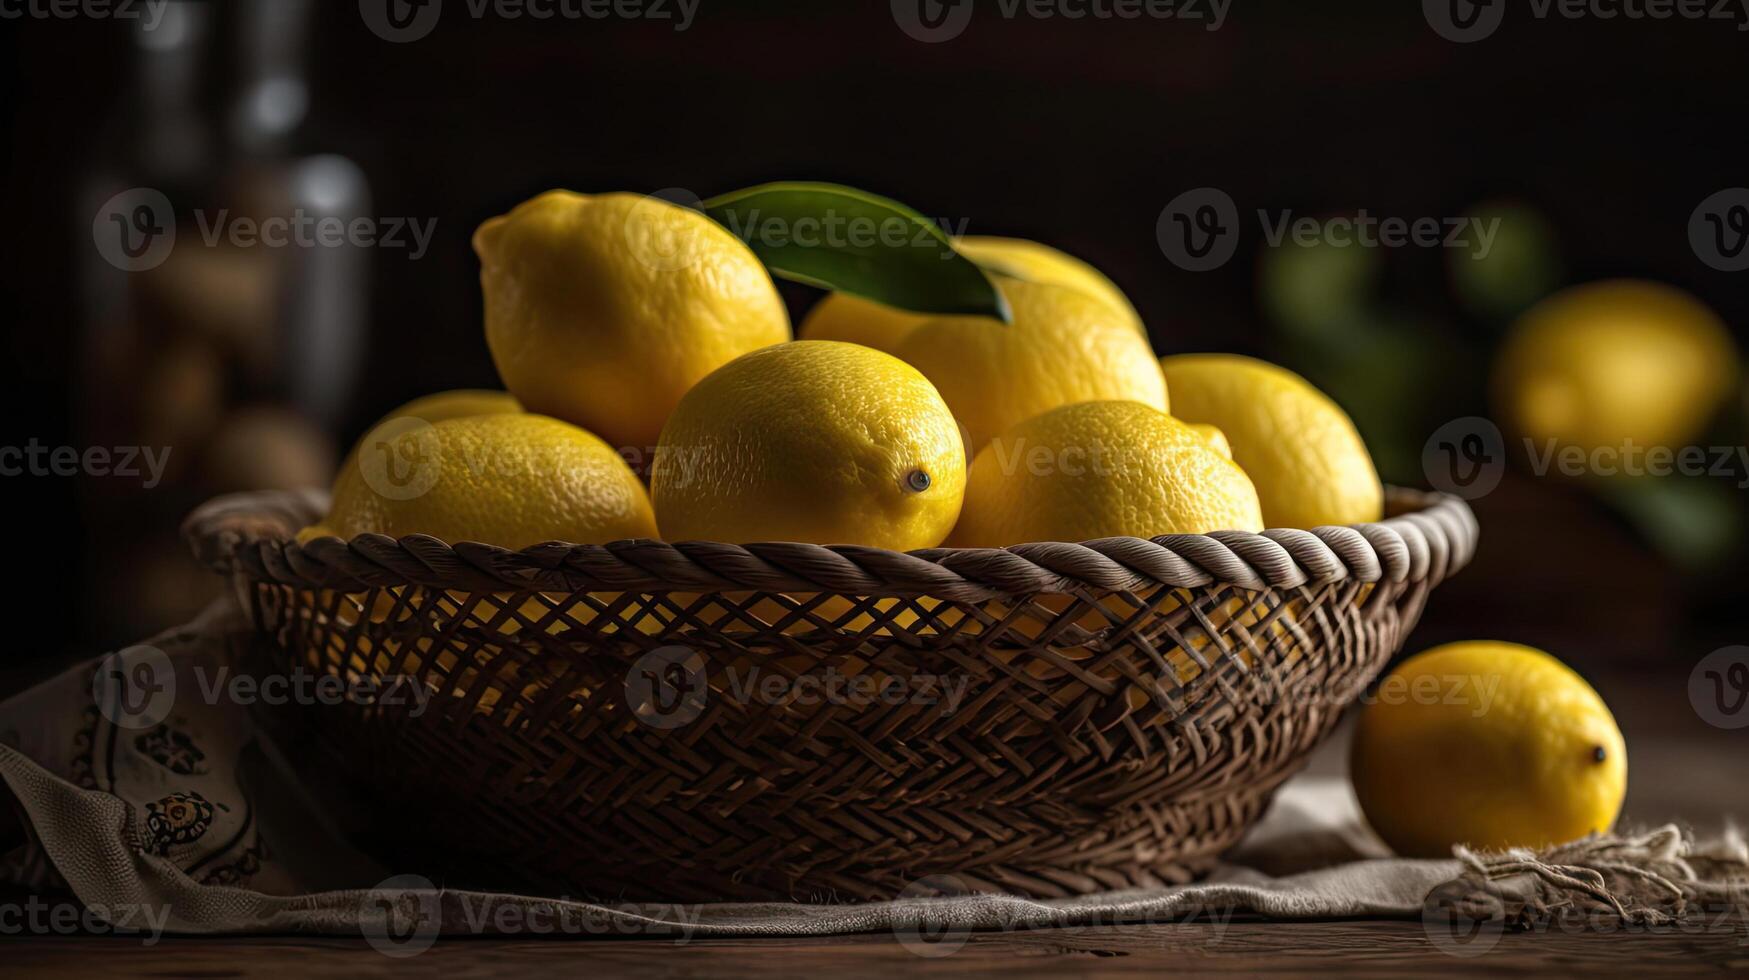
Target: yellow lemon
1488,744
814,441
1300,449
1099,470
1612,363
1065,346
1215,437
508,480
604,310
459,403
1023,259
841,316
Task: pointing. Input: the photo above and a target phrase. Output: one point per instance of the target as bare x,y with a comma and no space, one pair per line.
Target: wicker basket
685,721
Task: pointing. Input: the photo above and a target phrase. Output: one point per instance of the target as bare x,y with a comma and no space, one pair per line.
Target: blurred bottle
225,355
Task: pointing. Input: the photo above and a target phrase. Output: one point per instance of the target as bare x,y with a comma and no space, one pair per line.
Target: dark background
1075,133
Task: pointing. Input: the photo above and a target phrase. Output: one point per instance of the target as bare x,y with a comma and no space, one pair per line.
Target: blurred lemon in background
1488,744
511,480
842,316
1609,363
1099,470
603,310
1520,265
1305,457
813,441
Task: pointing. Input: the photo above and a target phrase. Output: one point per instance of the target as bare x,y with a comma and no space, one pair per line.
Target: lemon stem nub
917,481
1598,754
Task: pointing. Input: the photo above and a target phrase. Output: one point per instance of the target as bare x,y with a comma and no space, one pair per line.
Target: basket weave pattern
703,721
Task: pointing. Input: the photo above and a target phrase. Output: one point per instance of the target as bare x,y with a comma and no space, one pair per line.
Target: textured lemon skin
604,310
841,316
812,441
1064,347
1099,470
1610,362
1307,459
1488,744
507,480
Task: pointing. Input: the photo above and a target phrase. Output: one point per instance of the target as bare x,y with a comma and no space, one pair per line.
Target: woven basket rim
251,534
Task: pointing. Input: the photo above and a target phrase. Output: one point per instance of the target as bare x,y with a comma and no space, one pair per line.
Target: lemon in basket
1488,744
1615,364
1300,449
459,403
1098,470
1065,345
509,480
605,309
813,441
842,316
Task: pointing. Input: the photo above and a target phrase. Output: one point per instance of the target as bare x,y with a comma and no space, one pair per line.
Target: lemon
1067,344
459,403
1064,347
841,316
1612,363
604,310
1488,744
1100,470
814,441
1215,437
508,480
1300,449
1023,259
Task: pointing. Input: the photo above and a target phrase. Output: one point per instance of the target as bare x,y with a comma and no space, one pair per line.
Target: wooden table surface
1680,768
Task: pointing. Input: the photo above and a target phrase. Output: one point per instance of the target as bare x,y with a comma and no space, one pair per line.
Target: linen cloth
188,820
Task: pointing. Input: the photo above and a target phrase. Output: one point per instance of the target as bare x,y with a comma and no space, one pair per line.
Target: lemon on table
603,310
508,480
842,316
1612,363
1098,470
812,441
1488,744
1301,450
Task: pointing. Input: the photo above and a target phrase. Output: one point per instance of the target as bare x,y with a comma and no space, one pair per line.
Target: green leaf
855,242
